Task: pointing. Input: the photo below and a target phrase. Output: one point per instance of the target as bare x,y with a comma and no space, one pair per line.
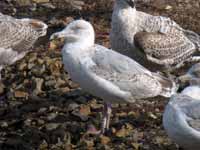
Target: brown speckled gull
157,39
105,73
17,36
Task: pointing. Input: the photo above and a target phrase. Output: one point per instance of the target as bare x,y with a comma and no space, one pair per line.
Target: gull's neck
124,20
124,8
78,47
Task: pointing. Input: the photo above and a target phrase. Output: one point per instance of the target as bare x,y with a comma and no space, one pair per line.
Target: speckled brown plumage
151,39
170,48
17,36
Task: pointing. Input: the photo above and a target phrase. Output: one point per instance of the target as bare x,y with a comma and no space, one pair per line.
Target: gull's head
78,30
192,91
128,3
37,25
131,3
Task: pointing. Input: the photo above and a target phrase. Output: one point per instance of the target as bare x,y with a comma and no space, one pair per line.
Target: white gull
105,73
181,118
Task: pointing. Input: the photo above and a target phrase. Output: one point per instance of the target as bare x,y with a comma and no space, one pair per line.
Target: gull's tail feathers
169,86
193,37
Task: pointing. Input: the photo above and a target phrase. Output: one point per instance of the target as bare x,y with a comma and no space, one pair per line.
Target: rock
40,61
124,131
21,94
40,1
22,66
28,122
51,126
121,114
60,82
64,90
151,115
39,83
24,2
32,57
159,140
81,99
73,106
42,110
89,143
77,4
48,5
95,105
37,70
137,136
50,83
168,7
53,108
55,67
52,116
60,91
40,122
73,85
1,88
83,112
31,65
69,4
121,133
43,145
52,45
3,124
136,146
15,103
104,140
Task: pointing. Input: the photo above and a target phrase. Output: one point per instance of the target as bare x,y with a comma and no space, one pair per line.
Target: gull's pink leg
106,117
105,121
109,112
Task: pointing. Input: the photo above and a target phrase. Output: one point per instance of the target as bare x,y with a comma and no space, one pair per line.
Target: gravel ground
43,109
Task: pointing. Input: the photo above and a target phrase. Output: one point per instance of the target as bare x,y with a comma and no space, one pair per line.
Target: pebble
52,116
21,94
52,126
2,86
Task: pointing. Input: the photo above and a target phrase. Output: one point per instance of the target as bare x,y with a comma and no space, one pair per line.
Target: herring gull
105,73
181,118
157,39
17,36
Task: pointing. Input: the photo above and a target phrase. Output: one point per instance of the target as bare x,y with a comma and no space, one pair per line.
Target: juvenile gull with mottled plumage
144,37
181,118
17,36
106,73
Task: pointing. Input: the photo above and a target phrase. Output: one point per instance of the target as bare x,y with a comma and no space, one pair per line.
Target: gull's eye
76,28
81,27
131,3
73,28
